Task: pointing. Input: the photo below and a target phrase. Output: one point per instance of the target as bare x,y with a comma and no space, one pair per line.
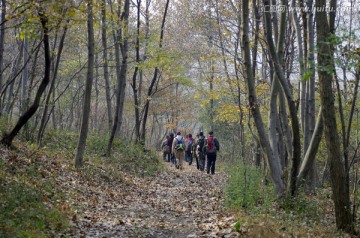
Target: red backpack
211,145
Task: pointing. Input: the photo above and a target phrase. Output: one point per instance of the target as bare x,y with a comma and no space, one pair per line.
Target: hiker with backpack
199,151
165,148
188,149
178,148
212,146
171,157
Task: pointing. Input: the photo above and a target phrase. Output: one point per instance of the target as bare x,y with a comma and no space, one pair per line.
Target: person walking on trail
171,157
186,137
165,148
188,148
212,146
193,151
178,148
200,154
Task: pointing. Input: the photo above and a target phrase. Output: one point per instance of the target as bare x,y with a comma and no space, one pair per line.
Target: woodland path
176,203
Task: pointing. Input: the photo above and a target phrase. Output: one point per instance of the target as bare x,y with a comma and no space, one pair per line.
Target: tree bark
106,67
45,115
88,87
121,76
310,104
2,40
325,72
275,91
309,158
135,76
297,27
25,76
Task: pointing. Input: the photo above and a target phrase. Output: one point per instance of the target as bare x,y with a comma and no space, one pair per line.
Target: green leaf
22,35
307,76
237,226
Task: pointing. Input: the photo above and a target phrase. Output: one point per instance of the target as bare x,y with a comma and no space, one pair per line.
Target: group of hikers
176,149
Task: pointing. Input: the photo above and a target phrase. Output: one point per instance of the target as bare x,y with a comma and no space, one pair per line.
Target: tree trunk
135,76
95,124
309,158
337,170
2,40
296,156
106,67
121,76
45,115
296,23
275,90
310,89
8,138
274,162
25,77
211,92
89,82
154,79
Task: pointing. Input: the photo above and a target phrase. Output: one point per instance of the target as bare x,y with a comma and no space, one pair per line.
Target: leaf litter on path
175,203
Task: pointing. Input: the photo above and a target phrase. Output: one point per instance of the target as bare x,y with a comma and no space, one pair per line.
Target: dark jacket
170,142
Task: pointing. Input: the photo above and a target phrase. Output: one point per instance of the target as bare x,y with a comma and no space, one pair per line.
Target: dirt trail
176,203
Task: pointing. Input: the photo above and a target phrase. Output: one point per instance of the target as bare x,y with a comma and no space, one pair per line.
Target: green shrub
60,140
25,210
246,189
135,160
301,208
3,125
97,143
67,141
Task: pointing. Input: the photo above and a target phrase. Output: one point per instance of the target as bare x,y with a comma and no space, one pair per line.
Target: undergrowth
125,156
135,160
34,204
246,189
28,202
258,209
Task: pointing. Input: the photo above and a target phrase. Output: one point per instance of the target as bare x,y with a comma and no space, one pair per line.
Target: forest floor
174,203
136,196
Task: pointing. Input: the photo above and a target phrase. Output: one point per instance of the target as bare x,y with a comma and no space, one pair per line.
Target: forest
91,89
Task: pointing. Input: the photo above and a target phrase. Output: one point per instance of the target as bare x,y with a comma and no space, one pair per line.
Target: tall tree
296,156
340,191
121,41
274,163
88,87
274,130
105,60
134,84
154,78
